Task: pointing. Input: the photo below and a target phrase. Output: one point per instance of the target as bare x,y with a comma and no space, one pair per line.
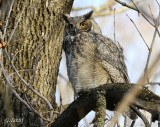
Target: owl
92,59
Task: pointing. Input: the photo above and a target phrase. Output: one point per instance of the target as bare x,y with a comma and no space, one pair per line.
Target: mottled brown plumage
92,59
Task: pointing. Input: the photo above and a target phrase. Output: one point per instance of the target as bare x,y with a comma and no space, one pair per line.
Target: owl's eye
83,24
86,25
70,26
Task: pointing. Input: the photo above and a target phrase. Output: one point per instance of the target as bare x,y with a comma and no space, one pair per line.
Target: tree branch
76,111
126,5
99,119
130,96
140,115
87,101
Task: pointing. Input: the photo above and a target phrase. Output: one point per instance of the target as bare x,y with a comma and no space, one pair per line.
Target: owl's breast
84,69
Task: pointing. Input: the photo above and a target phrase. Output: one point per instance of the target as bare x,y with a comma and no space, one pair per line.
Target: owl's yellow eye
83,24
86,25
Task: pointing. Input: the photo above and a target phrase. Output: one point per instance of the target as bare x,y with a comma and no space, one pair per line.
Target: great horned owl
92,59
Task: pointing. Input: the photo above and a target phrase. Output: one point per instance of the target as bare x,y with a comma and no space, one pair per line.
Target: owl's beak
74,31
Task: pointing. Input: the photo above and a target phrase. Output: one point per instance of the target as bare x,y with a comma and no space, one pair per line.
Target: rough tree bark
40,31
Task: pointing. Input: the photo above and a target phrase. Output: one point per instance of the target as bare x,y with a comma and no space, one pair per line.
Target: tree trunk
36,52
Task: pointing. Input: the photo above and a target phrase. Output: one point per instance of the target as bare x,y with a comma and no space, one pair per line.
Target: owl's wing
112,59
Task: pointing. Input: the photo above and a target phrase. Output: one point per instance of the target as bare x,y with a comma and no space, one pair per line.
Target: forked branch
114,94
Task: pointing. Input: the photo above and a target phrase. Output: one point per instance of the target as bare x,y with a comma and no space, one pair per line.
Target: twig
150,51
9,82
114,27
0,48
159,119
142,13
125,120
118,124
152,15
26,84
100,11
129,97
42,122
16,54
60,109
158,20
141,116
22,71
114,94
137,9
5,29
82,8
153,83
133,123
55,112
17,23
126,5
154,25
101,8
35,111
14,68
139,32
158,5
36,63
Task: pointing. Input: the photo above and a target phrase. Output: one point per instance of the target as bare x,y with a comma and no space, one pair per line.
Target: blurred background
134,48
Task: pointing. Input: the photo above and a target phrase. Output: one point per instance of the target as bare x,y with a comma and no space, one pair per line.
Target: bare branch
114,94
114,27
35,111
137,9
60,109
153,83
9,82
150,51
25,70
29,86
129,98
142,13
139,32
101,11
141,116
82,8
133,123
126,5
36,63
25,4
16,55
10,10
152,14
103,7
14,68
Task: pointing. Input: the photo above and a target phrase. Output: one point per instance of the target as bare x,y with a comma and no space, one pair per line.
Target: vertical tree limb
99,119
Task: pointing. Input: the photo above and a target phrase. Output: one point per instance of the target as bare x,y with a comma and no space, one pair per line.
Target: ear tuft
88,15
66,17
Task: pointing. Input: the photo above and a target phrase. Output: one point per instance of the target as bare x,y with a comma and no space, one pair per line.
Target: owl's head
79,24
